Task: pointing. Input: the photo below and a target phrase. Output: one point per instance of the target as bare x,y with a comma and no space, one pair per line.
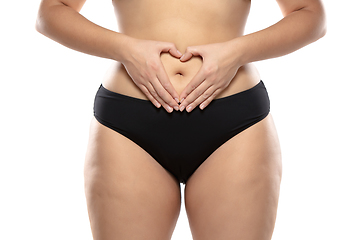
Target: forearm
293,32
69,28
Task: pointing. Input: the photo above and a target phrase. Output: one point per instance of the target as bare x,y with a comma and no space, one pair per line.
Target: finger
161,95
155,95
189,53
204,99
172,97
207,101
171,48
193,84
194,104
195,98
149,96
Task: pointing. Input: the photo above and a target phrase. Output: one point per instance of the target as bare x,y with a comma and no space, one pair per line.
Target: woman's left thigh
234,194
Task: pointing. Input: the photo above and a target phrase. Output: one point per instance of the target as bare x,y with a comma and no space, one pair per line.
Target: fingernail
177,100
179,52
176,108
189,108
182,100
182,108
182,57
158,105
170,109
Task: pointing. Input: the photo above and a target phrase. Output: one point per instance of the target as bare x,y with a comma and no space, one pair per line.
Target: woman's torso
185,23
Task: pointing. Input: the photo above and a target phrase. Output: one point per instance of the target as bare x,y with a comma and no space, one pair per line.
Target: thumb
189,53
171,48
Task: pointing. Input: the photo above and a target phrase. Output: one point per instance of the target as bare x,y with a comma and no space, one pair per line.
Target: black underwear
181,141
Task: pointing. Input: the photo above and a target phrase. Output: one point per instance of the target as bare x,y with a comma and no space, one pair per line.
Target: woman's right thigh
129,195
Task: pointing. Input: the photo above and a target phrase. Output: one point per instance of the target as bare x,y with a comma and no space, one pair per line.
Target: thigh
234,193
129,195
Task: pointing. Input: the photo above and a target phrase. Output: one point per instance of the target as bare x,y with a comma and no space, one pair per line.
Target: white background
46,102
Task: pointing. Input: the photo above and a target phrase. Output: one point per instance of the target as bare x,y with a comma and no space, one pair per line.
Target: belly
185,23
180,74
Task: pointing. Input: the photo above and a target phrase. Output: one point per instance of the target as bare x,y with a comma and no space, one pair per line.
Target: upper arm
74,4
289,6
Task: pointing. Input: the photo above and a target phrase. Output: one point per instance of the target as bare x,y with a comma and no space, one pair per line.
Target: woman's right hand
141,59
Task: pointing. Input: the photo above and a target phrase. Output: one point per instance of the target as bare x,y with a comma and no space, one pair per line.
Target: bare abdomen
183,33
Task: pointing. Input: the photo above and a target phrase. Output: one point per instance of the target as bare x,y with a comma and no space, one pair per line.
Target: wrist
240,51
123,43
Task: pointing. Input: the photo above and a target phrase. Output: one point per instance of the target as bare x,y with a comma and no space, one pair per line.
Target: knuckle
160,101
147,75
215,93
192,87
198,92
149,96
166,85
153,65
210,69
153,93
145,91
141,75
144,75
212,80
161,94
143,88
206,95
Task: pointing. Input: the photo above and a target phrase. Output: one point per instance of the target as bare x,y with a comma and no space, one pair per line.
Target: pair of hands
141,59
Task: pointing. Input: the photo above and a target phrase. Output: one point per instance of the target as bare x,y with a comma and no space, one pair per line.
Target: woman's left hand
220,64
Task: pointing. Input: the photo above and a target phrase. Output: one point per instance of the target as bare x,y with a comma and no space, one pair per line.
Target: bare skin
193,52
